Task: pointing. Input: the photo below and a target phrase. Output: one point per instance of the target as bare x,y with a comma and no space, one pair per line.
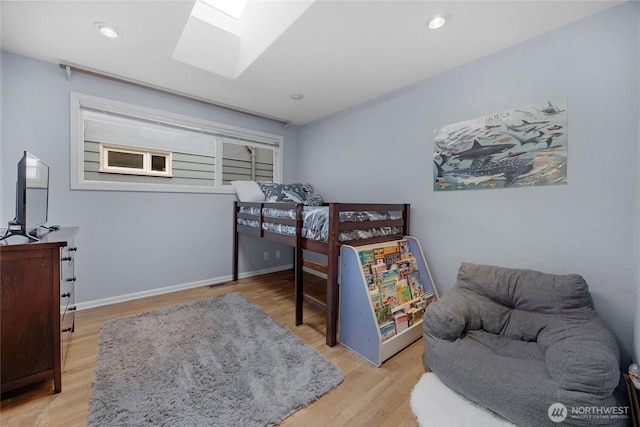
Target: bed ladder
330,270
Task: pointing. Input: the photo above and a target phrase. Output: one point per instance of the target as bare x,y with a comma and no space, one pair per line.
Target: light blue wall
636,340
135,242
382,151
128,242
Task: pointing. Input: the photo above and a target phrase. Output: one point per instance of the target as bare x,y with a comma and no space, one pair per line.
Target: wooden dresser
38,310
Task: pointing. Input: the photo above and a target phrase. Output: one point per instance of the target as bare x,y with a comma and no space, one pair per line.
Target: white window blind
204,155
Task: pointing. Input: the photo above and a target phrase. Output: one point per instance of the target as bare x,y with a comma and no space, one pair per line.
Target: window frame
146,170
81,102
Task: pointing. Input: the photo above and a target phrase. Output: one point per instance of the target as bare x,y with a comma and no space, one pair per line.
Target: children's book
388,330
413,263
391,255
389,294
403,269
401,320
415,315
366,257
374,296
415,283
384,314
403,246
389,276
403,292
378,255
378,273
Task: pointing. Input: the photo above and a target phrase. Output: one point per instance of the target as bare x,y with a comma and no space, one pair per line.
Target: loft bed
320,229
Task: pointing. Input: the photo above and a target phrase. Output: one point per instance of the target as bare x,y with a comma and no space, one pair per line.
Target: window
127,160
117,146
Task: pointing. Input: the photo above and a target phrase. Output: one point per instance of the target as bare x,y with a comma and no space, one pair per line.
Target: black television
32,197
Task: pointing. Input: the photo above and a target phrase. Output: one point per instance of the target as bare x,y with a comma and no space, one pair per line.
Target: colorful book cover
378,255
415,283
377,275
403,246
378,268
384,314
401,320
420,303
413,263
403,269
388,330
389,276
366,257
403,292
389,294
415,315
391,249
391,255
376,300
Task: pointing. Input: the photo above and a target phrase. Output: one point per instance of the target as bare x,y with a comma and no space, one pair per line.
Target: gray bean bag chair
519,341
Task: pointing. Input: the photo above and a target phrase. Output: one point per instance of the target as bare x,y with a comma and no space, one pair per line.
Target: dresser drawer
67,288
67,297
67,307
67,258
67,325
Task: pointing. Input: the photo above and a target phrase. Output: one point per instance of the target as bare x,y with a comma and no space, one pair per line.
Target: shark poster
522,147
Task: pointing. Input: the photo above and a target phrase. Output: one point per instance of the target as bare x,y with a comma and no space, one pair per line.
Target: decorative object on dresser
290,216
32,198
38,311
215,361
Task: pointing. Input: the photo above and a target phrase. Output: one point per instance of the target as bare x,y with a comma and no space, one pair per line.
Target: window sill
158,188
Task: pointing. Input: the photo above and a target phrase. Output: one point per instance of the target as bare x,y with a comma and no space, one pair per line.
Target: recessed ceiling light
437,21
297,96
107,30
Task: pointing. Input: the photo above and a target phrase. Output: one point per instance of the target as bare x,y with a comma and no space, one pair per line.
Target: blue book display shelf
384,290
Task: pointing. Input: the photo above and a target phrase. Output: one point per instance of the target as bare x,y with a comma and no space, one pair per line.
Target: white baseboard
159,291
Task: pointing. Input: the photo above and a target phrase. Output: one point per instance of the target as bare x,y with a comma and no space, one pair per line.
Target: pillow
248,191
290,193
311,198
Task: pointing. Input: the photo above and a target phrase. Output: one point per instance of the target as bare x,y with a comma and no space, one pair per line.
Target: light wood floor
368,396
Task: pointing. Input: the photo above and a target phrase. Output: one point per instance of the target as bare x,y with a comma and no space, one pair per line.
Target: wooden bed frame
331,248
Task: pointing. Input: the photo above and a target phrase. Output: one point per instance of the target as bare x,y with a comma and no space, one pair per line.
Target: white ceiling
337,53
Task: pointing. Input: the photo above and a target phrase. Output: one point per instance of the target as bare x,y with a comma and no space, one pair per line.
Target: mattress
315,222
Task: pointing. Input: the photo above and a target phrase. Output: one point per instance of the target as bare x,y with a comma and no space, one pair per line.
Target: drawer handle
71,279
67,329
65,295
67,258
73,249
72,308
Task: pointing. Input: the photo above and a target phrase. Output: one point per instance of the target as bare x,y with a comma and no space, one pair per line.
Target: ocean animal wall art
521,147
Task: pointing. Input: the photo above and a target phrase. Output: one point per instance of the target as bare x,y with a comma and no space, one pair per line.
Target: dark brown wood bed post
297,265
235,241
407,219
332,274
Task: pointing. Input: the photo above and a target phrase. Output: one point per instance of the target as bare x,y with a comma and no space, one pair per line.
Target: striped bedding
316,225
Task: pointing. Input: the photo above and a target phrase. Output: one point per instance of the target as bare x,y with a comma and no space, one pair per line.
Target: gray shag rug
219,361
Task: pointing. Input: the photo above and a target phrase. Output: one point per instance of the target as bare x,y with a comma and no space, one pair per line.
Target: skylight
217,41
233,8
